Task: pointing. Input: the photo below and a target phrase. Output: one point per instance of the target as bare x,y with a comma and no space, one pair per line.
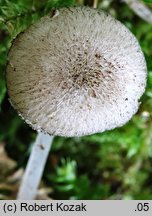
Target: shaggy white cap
77,73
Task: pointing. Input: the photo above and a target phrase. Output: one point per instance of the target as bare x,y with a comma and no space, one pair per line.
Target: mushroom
76,73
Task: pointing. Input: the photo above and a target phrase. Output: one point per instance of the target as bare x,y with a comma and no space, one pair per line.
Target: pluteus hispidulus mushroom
76,73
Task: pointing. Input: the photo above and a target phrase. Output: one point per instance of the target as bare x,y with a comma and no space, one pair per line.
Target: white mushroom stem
140,9
35,167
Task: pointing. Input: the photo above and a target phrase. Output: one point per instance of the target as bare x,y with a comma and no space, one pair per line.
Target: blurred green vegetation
112,165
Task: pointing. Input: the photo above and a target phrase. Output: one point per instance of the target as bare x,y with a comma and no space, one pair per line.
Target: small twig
35,167
95,3
140,9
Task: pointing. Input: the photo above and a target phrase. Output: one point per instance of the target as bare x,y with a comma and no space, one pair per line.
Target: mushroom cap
77,73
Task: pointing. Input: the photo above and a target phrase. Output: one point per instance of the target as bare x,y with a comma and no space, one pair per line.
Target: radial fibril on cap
77,73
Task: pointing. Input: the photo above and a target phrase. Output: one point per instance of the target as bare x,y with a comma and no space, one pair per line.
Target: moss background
111,165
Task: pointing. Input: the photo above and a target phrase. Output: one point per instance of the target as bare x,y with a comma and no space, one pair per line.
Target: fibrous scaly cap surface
77,73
